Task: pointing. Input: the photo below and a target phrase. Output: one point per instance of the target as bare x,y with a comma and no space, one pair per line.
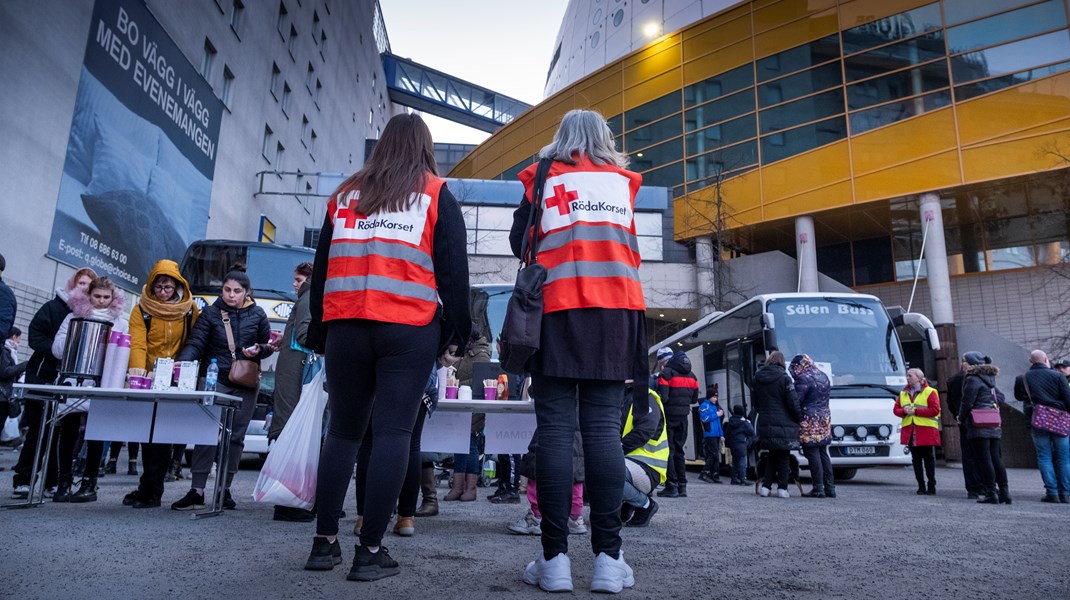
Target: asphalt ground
876,540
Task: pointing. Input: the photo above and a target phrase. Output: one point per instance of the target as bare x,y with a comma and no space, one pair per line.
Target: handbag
522,329
245,373
1047,418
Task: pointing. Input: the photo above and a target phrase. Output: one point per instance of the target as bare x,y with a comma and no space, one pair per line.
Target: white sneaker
783,493
554,575
763,492
21,492
577,526
528,524
611,576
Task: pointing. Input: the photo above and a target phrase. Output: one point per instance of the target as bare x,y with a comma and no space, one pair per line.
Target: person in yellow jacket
919,407
646,460
159,325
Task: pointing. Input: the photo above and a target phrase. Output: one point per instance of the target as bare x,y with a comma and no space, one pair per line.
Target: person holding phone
251,334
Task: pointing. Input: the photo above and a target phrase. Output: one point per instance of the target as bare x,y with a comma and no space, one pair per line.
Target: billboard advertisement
137,178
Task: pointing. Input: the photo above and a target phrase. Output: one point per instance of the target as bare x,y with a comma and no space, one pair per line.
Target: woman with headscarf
977,393
160,323
919,407
815,429
593,333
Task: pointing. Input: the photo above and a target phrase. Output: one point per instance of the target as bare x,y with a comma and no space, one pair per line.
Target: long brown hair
398,166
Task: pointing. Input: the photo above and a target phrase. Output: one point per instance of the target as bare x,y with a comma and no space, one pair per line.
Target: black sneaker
191,501
228,501
642,516
147,502
324,556
295,515
132,497
627,511
369,567
507,497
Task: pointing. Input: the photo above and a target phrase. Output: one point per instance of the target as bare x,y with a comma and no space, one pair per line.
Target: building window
286,93
323,45
269,138
316,92
283,21
276,81
310,77
292,43
280,150
236,17
208,61
312,144
315,25
304,130
228,84
371,115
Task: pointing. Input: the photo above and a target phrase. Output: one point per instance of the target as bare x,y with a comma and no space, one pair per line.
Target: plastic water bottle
211,377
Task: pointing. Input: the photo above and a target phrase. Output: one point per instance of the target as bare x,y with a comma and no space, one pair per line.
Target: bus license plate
860,450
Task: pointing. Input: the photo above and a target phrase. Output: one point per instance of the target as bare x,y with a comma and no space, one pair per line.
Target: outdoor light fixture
884,431
861,432
651,29
838,431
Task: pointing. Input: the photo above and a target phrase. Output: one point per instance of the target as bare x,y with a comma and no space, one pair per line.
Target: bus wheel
844,474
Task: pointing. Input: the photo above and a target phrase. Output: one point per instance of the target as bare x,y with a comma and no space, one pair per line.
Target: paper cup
451,392
490,393
464,393
140,383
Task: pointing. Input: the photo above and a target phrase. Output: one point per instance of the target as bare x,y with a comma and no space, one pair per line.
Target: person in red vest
593,334
919,408
389,294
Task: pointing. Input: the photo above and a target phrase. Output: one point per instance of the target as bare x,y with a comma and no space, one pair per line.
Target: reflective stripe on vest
587,238
655,451
921,400
381,266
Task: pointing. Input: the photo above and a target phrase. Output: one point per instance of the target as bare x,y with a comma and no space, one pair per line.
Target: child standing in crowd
738,434
531,522
710,413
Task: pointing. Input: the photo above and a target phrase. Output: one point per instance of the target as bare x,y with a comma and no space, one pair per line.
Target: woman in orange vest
389,294
593,339
919,407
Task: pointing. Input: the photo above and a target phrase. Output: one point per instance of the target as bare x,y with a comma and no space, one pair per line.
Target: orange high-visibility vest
381,266
587,236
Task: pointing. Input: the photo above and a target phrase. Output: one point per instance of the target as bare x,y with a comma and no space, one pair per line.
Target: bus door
739,367
693,446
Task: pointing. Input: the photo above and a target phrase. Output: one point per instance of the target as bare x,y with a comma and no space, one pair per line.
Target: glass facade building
845,111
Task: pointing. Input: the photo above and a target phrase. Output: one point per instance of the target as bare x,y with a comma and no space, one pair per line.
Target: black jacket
1046,386
44,367
777,407
8,307
208,339
954,393
678,386
977,393
738,433
9,372
647,425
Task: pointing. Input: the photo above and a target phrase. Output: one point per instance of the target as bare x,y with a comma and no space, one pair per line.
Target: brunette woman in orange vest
593,339
389,294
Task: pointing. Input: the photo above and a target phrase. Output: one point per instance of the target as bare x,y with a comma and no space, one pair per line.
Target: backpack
148,319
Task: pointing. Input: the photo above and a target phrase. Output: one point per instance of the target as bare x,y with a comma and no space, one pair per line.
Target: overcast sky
505,46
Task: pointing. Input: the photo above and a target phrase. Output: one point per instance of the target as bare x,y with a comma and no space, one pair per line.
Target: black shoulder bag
522,329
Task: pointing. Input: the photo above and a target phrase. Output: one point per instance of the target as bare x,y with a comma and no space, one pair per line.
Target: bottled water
211,377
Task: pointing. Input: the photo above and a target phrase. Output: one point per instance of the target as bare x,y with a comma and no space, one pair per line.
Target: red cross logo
350,214
560,199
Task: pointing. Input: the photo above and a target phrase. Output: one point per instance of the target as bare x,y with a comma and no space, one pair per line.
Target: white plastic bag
288,477
11,430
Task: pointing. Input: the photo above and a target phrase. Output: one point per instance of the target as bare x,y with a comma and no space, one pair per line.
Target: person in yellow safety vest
646,459
919,407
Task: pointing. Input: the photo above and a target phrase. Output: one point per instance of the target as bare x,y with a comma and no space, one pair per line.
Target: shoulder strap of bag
1025,382
145,317
230,335
534,217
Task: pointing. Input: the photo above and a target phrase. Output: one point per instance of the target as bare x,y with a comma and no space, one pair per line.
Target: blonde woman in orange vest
593,339
389,294
919,407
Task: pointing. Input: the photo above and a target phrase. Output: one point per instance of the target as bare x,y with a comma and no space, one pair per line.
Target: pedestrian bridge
437,93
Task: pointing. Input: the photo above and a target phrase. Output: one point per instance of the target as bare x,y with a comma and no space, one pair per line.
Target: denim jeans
632,494
563,405
1053,458
739,465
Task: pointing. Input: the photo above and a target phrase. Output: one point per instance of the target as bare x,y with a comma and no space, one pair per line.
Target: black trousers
32,414
676,430
711,452
509,471
132,450
410,489
990,464
777,466
70,426
376,373
970,474
155,460
924,459
820,465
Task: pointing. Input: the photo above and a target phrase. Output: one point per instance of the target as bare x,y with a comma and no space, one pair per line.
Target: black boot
1005,495
63,489
989,497
87,491
818,491
669,491
131,467
109,467
921,487
830,486
681,490
931,490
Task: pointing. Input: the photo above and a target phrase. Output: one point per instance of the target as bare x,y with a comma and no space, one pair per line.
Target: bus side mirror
769,331
921,324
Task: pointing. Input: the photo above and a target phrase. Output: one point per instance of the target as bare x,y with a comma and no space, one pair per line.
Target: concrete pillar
705,281
806,250
936,269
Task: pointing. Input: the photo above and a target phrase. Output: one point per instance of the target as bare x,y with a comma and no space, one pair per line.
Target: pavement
876,540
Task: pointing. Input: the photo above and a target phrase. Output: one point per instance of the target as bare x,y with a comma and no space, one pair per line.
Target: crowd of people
387,303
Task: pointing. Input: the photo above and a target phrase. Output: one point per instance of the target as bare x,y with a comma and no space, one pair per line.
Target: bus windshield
851,339
270,268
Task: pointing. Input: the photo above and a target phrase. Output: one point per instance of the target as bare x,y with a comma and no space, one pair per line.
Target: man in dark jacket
779,415
1043,386
8,304
969,463
678,388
